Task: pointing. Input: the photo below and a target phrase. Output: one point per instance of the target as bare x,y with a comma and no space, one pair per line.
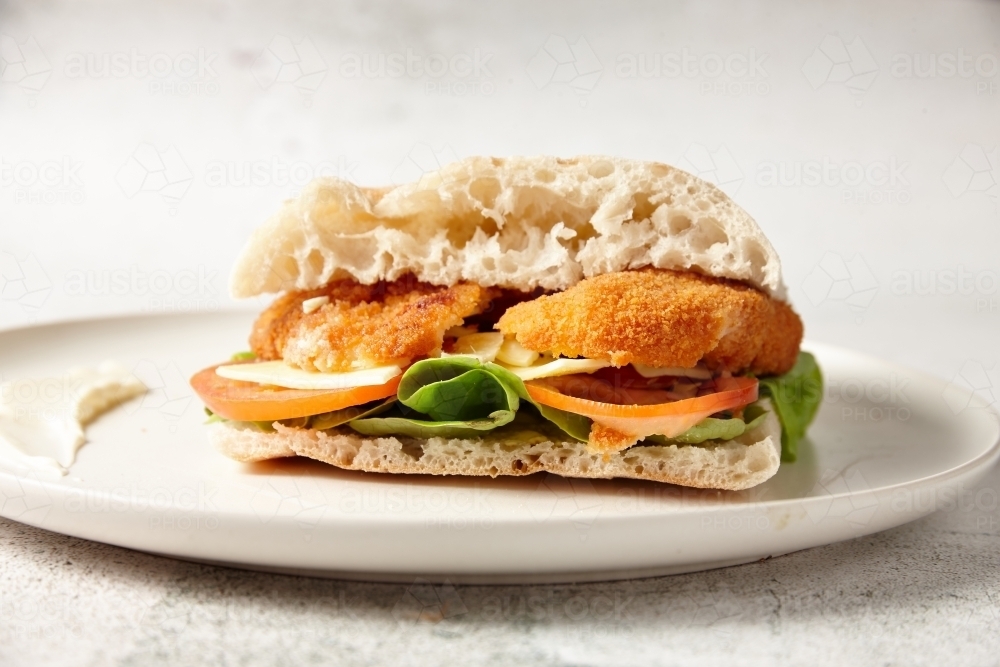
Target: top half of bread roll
520,223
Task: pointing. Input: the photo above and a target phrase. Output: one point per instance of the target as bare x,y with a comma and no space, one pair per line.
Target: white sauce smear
42,420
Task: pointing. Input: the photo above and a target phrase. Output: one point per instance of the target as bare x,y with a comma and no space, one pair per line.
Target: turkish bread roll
519,223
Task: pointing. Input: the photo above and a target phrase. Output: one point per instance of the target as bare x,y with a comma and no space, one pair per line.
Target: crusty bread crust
520,223
733,465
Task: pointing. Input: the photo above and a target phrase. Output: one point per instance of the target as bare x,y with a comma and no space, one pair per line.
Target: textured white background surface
130,188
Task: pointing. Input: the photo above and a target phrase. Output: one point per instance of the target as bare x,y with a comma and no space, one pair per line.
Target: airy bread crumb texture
733,465
520,223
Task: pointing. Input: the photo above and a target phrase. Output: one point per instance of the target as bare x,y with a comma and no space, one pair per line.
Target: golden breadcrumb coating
661,318
608,440
364,325
780,340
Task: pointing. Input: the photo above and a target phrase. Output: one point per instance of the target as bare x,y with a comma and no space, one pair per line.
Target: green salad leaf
266,427
796,396
396,423
459,389
461,397
449,397
339,417
574,425
712,428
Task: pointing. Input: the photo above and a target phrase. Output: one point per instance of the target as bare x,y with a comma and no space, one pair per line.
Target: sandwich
590,317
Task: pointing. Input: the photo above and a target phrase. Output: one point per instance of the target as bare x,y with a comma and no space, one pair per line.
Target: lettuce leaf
462,397
450,397
712,428
399,424
574,425
459,389
340,417
796,396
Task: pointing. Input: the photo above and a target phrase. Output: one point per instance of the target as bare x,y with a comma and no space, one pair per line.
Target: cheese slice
483,346
280,374
515,354
557,367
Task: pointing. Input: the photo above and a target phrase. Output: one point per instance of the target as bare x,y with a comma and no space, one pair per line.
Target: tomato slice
249,401
630,423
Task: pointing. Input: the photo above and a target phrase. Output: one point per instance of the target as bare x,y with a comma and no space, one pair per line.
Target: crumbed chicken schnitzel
654,317
661,318
364,325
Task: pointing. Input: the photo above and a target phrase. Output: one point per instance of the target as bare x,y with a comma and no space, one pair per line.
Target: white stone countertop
862,136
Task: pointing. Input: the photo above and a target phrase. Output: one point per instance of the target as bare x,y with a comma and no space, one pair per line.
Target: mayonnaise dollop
42,420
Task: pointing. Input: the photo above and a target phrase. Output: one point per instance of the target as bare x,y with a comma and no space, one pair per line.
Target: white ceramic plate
889,445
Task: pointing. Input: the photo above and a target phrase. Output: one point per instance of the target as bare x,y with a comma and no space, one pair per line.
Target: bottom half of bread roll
733,465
